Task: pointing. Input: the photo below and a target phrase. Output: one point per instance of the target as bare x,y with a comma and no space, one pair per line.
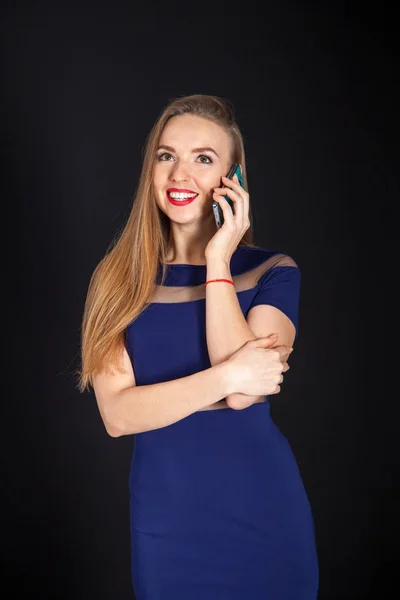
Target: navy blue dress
218,507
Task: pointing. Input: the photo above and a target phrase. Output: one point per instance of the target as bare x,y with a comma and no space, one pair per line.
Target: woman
183,318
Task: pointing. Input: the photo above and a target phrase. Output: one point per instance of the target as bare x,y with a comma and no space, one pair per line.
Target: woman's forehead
191,130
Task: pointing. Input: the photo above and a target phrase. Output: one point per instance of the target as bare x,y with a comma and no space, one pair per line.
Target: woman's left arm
227,330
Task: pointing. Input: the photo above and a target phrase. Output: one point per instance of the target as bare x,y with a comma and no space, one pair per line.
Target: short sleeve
280,287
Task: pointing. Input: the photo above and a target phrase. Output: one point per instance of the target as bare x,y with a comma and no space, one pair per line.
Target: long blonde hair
123,282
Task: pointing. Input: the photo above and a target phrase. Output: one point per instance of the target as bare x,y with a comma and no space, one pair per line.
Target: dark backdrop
315,91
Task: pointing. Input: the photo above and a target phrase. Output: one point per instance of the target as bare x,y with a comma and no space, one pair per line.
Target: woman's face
192,156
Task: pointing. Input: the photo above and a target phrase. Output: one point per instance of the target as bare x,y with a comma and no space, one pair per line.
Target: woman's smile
180,197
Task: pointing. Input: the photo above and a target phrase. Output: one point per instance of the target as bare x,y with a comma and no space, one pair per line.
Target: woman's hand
242,401
256,370
224,243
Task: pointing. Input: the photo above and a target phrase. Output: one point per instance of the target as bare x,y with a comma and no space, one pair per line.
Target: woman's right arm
126,408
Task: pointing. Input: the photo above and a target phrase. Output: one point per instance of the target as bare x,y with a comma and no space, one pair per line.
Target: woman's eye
164,156
206,158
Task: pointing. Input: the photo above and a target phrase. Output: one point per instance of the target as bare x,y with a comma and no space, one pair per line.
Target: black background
316,96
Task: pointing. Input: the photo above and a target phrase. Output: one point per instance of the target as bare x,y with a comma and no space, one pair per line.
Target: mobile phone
218,214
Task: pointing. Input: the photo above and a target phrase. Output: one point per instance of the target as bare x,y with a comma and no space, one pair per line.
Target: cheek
210,181
161,173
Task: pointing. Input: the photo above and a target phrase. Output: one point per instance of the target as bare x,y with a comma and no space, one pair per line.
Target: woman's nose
180,172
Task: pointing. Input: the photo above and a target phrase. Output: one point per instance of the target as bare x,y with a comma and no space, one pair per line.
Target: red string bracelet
225,280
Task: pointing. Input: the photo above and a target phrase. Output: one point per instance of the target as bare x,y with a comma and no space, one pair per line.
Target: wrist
218,269
224,374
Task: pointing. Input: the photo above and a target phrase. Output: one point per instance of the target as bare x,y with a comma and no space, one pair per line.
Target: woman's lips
180,202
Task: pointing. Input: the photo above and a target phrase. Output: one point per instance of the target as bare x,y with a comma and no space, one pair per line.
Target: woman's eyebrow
204,149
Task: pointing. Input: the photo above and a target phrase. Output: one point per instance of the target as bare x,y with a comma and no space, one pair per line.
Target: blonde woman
186,332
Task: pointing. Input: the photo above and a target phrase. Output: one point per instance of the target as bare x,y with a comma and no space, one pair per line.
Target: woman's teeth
178,196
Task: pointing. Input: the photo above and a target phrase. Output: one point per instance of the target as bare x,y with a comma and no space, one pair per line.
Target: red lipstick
180,202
